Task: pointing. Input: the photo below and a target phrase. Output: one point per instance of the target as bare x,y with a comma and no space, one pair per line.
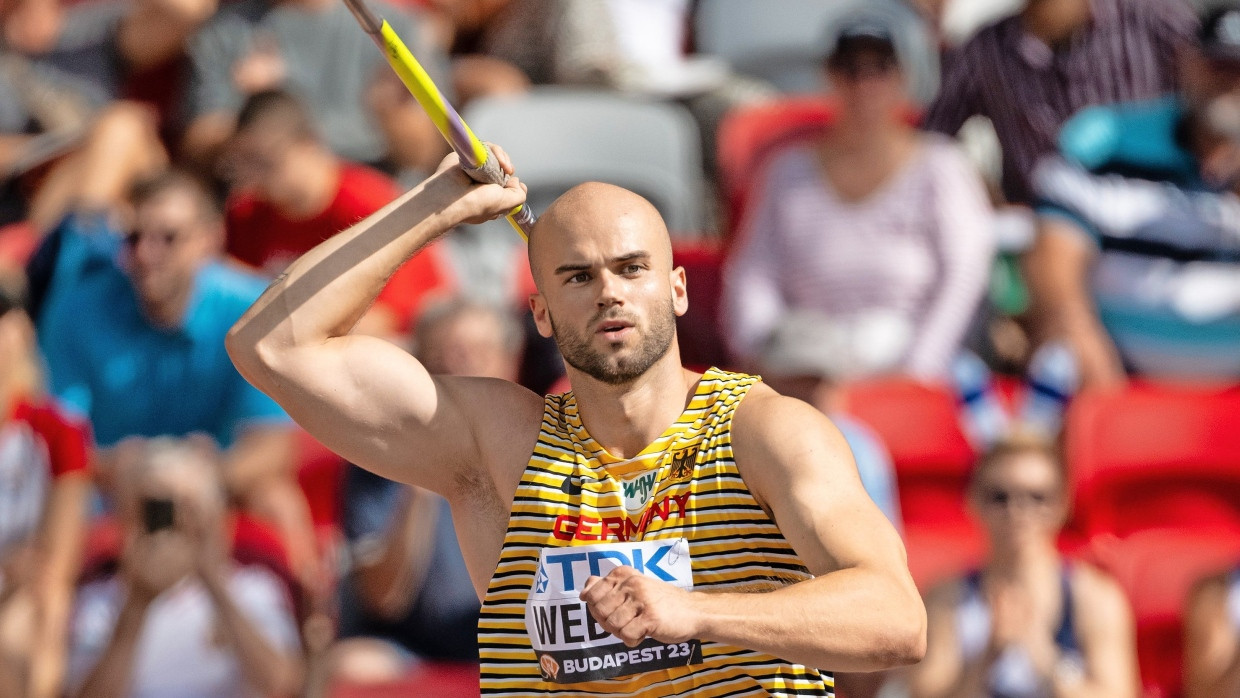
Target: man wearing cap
1139,274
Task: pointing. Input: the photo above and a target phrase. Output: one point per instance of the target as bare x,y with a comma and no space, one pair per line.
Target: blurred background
997,241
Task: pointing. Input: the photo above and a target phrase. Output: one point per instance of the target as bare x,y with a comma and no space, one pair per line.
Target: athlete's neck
624,419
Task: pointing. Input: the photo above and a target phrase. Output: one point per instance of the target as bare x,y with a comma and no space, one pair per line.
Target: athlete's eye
630,269
578,278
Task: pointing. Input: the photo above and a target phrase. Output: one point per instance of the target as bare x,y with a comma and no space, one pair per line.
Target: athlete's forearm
850,620
325,292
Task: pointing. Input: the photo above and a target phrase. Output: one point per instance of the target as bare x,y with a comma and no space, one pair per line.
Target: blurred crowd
1022,208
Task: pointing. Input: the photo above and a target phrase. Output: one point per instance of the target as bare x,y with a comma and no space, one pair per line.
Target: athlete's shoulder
766,419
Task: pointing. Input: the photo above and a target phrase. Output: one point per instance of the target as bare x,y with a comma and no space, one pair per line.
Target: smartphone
157,514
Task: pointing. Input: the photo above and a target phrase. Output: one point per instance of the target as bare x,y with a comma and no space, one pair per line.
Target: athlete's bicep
800,468
378,407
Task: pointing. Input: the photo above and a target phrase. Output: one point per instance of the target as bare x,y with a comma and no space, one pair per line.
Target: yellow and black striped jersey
684,485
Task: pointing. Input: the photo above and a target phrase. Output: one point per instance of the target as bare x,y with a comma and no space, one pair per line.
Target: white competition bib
571,646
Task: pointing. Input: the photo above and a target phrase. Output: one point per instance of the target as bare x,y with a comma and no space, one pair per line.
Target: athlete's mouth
614,329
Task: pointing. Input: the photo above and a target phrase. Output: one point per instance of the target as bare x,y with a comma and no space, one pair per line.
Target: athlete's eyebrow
636,255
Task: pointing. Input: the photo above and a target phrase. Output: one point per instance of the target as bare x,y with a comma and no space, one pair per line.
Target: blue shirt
1134,138
107,362
873,465
1166,280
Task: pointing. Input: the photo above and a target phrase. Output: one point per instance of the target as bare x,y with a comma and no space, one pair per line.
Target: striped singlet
684,485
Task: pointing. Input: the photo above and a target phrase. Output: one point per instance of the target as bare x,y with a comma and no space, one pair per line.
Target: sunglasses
1001,498
167,237
857,67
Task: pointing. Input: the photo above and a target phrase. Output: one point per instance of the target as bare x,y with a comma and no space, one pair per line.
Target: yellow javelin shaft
475,156
428,95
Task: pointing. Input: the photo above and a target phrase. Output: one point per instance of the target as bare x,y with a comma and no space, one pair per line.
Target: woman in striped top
620,534
885,230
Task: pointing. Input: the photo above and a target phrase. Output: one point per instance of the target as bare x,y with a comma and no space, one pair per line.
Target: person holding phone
181,615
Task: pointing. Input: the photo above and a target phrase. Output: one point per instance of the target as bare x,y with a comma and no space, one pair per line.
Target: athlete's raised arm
861,612
367,399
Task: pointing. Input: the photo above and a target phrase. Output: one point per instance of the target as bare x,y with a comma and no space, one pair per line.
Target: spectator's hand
204,533
1101,367
154,562
1011,615
263,68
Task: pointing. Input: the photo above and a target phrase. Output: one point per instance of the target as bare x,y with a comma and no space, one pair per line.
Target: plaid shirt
1027,89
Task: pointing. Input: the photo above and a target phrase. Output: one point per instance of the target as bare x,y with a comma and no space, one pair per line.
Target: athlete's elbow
906,635
250,354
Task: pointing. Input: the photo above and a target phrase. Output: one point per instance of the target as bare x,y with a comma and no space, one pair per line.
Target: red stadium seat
439,679
1155,456
747,137
320,472
1157,569
700,343
920,426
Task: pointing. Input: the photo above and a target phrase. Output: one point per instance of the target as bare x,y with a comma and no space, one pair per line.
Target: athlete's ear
680,292
542,319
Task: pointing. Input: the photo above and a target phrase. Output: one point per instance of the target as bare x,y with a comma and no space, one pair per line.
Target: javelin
476,158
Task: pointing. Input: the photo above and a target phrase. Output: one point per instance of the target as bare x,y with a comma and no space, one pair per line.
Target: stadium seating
701,345
560,137
1155,456
1157,569
749,135
783,43
921,429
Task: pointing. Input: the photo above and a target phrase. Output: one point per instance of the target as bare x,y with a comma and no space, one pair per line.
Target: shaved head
596,208
607,292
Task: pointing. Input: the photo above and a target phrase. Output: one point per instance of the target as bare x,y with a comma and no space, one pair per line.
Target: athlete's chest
652,496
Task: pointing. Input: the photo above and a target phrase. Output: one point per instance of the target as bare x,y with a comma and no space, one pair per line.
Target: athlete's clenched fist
632,607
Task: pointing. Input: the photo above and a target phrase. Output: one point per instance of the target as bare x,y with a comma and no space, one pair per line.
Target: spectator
798,362
1029,623
83,54
315,49
1212,638
44,483
459,26
1137,273
884,230
138,347
179,617
410,593
61,66
1028,73
291,193
62,70
120,147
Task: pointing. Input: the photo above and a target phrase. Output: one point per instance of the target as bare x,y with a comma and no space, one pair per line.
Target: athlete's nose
610,289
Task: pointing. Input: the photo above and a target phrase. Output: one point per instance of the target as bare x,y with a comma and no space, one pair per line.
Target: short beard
613,370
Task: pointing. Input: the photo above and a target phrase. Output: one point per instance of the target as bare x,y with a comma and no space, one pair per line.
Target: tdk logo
574,567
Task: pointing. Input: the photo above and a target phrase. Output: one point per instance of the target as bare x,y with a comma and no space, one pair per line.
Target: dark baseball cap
1219,35
862,32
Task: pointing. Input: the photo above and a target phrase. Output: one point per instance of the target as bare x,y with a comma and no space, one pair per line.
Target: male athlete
653,532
